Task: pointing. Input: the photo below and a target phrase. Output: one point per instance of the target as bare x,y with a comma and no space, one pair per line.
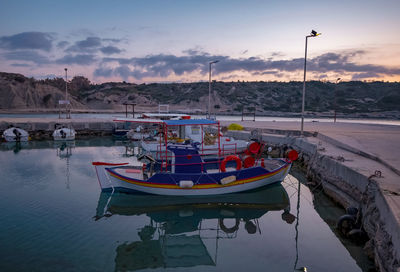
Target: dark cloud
103,72
361,76
20,65
277,54
342,63
109,50
90,44
112,40
194,52
119,60
62,44
80,59
28,55
163,65
265,73
27,40
123,71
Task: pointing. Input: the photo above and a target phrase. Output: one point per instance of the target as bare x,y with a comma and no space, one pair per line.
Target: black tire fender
346,223
226,229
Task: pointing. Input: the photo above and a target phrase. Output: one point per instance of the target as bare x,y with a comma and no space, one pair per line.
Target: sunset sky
173,41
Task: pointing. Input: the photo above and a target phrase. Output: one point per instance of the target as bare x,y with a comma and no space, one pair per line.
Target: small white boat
64,134
14,134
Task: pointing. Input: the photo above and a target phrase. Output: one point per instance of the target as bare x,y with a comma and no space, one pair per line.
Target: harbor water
55,218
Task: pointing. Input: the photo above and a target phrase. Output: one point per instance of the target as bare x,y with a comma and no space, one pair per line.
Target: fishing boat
15,134
180,169
63,133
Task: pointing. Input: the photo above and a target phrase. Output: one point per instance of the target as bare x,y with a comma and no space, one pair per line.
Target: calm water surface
54,218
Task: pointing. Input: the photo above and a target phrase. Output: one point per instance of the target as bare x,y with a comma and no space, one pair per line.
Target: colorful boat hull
204,183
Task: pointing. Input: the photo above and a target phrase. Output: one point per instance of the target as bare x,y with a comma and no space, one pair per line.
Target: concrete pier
42,128
356,164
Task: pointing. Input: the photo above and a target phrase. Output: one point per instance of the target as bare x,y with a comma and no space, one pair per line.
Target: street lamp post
66,85
209,88
334,100
313,34
67,103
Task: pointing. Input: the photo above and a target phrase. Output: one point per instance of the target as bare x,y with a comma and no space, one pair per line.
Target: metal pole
304,89
209,87
66,94
66,80
334,101
209,91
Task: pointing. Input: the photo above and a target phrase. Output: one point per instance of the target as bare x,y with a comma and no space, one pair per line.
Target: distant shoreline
393,115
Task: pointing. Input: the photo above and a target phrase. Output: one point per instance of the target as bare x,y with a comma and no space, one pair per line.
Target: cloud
26,55
80,59
93,45
20,65
112,40
361,76
265,73
62,44
277,54
27,40
123,71
103,72
90,44
343,63
194,61
109,50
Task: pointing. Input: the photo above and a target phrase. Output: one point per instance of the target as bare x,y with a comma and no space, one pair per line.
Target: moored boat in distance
180,169
63,133
15,134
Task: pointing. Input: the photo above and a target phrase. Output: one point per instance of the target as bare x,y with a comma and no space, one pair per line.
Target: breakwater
42,129
353,178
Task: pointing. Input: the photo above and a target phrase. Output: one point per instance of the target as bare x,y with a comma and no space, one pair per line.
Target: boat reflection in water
175,234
